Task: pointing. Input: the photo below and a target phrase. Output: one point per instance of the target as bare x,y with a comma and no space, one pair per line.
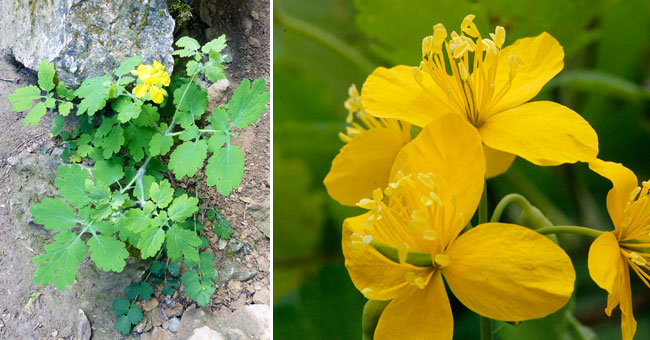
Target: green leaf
97,191
215,45
57,125
137,141
84,148
107,252
71,184
50,102
206,264
64,92
248,104
174,269
182,208
113,142
54,214
137,220
191,132
126,109
123,325
135,314
141,289
128,65
149,116
109,171
59,263
182,241
168,290
196,289
225,169
160,145
150,241
214,72
120,306
188,43
222,228
46,73
187,158
147,180
94,92
195,100
35,114
24,97
105,127
157,268
162,194
191,67
64,108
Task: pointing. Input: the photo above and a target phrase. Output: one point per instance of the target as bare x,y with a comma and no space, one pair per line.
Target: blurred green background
321,47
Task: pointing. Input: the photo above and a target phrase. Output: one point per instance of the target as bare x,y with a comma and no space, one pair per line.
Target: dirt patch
28,161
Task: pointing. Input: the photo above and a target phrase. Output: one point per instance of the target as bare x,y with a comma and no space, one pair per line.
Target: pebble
221,244
254,42
262,297
173,324
206,333
254,15
157,334
83,328
175,311
234,245
248,25
149,305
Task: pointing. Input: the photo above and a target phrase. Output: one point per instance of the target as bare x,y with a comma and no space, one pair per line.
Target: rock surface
249,322
86,38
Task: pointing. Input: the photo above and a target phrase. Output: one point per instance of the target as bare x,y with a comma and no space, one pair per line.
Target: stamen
468,27
637,259
360,242
442,260
368,293
403,252
514,67
430,235
419,220
418,281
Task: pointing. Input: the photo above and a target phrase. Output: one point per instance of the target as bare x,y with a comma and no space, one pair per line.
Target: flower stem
505,201
569,229
486,323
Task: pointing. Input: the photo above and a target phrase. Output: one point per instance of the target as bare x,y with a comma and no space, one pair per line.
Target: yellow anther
463,71
366,203
419,282
353,92
359,242
487,43
491,55
470,42
368,293
427,45
427,181
416,72
499,36
635,193
402,252
442,260
377,195
439,35
468,27
638,259
435,198
454,35
344,138
426,201
514,67
352,106
430,234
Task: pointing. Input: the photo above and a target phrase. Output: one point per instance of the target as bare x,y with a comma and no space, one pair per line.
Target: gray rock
86,38
83,328
249,322
262,218
173,324
206,333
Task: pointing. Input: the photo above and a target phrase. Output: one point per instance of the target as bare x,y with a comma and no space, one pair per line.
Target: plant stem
505,201
322,37
414,258
569,229
486,323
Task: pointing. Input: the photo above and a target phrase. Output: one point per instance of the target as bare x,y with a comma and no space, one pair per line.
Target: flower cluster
470,96
152,76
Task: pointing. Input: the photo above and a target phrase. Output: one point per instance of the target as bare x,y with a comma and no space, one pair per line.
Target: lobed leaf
128,65
59,263
162,194
150,241
126,109
64,108
182,208
46,73
71,184
248,104
215,45
206,265
197,289
160,145
94,92
54,214
120,306
225,169
188,43
194,101
108,171
187,158
107,252
24,97
181,241
123,325
35,114
135,314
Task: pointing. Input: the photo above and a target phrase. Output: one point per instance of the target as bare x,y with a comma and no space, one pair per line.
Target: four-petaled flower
488,85
628,245
501,271
151,76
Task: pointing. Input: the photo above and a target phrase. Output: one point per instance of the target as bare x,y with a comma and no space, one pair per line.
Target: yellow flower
629,245
152,75
364,162
499,270
489,86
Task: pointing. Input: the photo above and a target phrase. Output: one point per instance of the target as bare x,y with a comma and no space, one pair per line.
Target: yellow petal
628,323
450,148
157,66
496,162
159,78
144,71
374,275
157,95
604,261
544,133
539,59
623,182
421,314
507,272
393,93
363,165
140,90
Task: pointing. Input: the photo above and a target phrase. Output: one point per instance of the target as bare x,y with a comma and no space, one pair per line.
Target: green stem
505,201
322,37
569,229
486,323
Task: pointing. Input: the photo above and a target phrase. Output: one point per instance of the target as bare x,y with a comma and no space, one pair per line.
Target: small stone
217,94
254,42
239,303
244,274
149,305
245,199
254,15
157,317
144,325
234,285
221,244
174,311
234,245
83,326
206,333
248,25
262,297
173,324
157,334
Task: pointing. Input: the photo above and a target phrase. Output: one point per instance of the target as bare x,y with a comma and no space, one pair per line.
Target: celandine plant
135,124
469,97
